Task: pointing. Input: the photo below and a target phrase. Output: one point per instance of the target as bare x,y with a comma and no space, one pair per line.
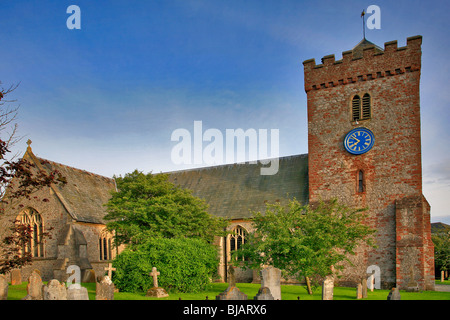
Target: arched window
105,245
366,104
361,108
237,238
30,217
356,108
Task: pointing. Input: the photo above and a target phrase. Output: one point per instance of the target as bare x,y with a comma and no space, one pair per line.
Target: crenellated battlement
365,62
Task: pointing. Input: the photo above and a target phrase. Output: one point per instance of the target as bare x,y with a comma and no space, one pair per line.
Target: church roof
84,194
364,43
233,191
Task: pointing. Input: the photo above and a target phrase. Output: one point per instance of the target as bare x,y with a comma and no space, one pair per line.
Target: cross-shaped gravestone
155,275
110,269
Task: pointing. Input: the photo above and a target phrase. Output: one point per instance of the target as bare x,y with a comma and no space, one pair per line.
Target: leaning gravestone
264,294
327,288
54,291
271,278
3,287
16,277
394,294
104,289
34,287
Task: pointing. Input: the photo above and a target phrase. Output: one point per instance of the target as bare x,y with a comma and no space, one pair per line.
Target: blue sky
107,97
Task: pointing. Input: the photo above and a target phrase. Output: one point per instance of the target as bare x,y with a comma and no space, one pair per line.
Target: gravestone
34,287
232,292
394,294
364,287
104,289
156,291
77,292
263,294
16,277
3,287
271,278
359,291
54,290
327,288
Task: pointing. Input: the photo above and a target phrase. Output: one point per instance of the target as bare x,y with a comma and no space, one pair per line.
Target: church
364,148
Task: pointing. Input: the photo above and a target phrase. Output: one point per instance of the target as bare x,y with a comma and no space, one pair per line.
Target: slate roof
234,190
364,43
85,193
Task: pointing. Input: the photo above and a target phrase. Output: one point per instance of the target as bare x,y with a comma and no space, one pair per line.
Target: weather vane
364,25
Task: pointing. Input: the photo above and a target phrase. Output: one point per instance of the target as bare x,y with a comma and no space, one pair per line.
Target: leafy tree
186,265
148,205
441,243
303,241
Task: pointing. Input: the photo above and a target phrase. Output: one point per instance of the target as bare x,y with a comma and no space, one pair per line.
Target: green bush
186,265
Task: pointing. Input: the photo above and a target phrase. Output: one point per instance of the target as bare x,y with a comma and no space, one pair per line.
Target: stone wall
53,215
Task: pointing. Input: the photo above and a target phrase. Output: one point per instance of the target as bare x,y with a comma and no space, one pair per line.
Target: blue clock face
359,141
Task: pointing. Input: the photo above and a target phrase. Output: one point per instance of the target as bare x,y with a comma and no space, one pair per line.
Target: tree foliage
186,265
441,243
148,205
303,241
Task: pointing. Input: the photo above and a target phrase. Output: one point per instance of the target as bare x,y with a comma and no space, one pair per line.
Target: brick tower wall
392,168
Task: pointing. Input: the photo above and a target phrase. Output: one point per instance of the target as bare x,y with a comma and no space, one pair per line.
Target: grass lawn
288,292
443,282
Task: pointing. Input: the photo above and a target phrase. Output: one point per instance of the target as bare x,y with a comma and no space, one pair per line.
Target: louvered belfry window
366,107
356,108
361,108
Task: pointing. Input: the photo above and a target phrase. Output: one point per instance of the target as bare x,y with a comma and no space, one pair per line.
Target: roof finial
364,25
29,144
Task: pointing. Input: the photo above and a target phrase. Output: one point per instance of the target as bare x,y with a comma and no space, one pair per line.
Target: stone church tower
365,150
